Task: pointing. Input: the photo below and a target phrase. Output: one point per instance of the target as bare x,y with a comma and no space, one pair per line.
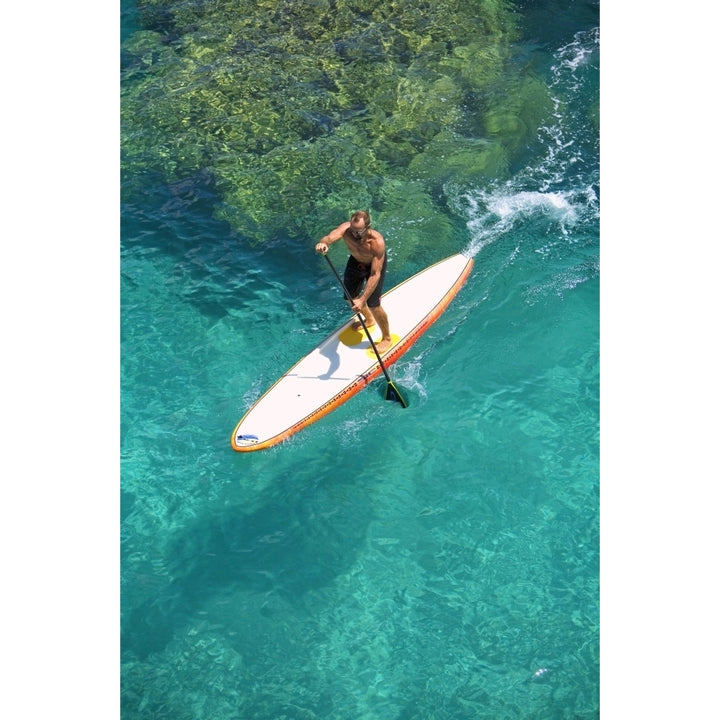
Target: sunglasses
357,234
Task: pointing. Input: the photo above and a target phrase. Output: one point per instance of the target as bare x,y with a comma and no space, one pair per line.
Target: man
367,264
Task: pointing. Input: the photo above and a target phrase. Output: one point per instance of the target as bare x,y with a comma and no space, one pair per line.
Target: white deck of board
334,366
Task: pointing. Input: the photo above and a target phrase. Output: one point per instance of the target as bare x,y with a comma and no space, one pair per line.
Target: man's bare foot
384,345
357,325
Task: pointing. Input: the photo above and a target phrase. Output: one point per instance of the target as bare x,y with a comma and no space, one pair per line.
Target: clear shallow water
439,561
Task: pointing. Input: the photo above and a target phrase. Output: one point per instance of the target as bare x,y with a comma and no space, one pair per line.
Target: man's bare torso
366,248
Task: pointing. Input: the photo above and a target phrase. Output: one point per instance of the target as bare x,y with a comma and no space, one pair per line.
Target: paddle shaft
360,318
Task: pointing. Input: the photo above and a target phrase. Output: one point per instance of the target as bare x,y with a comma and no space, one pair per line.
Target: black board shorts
356,273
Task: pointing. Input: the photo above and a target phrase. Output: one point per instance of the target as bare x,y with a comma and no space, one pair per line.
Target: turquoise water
439,561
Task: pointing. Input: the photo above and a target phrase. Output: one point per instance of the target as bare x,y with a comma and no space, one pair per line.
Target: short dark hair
361,215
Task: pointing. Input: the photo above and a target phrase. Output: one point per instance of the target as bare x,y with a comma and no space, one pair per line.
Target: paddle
391,392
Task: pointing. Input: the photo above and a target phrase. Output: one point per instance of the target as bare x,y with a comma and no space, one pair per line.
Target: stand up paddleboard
345,362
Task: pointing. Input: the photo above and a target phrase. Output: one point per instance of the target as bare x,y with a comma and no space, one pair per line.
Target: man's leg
368,317
382,320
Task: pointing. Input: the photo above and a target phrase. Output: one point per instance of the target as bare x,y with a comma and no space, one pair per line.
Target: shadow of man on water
288,547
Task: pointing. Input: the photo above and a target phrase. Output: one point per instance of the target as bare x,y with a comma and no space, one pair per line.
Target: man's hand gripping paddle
391,392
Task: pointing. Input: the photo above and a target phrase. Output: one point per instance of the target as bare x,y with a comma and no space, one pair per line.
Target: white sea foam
492,214
578,52
408,377
560,189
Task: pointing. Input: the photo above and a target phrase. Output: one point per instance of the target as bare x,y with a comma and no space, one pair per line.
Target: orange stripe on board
392,355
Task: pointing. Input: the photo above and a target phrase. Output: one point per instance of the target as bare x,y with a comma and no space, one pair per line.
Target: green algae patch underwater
302,112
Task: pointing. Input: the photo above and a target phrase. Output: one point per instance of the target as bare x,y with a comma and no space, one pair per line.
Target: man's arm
375,271
333,236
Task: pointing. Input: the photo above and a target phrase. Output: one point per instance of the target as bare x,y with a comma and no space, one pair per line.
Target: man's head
359,224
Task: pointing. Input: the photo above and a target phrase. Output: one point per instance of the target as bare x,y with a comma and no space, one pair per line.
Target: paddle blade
392,393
